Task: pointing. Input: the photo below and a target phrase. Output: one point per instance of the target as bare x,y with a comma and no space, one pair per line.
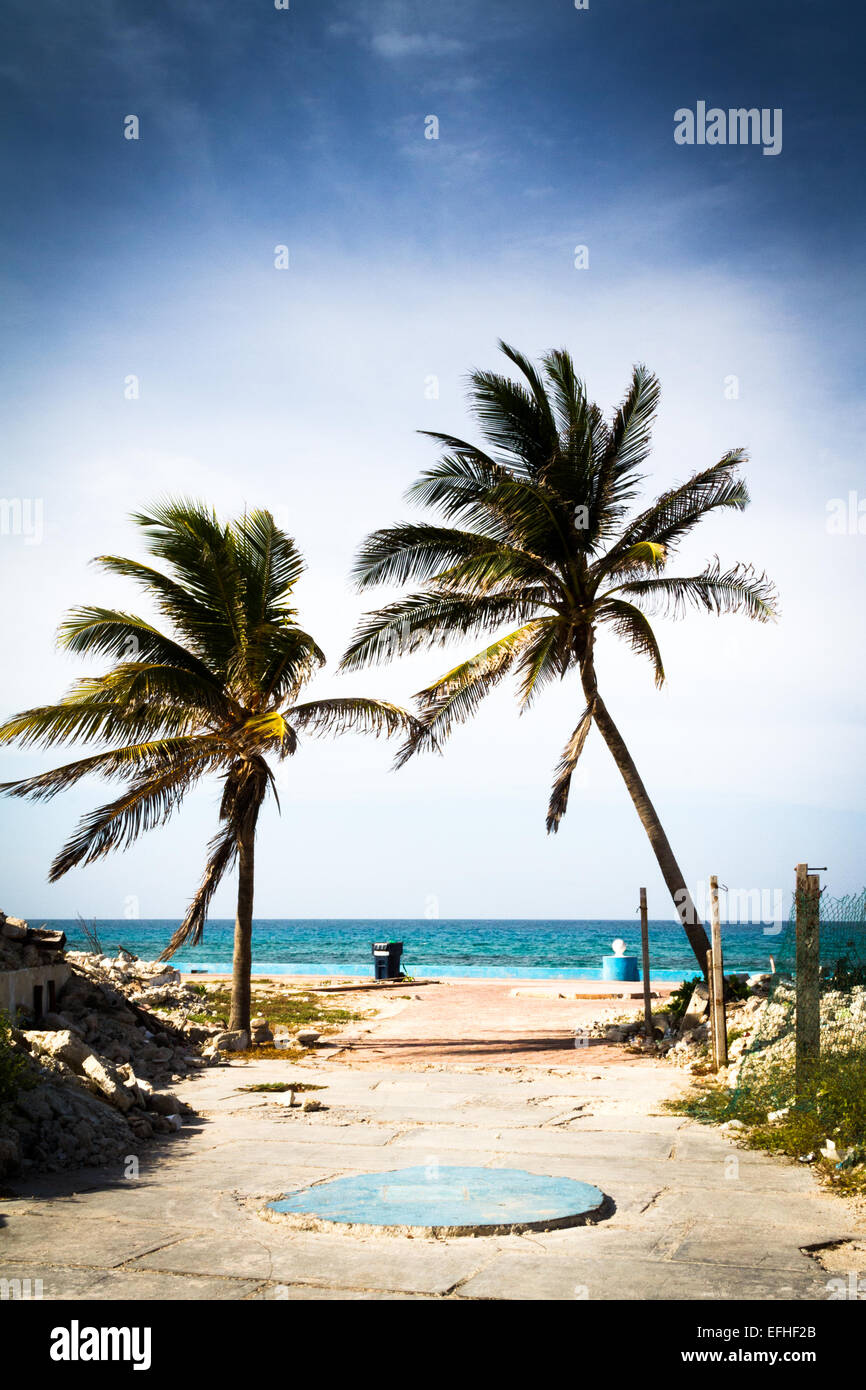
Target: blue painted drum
619,968
448,1198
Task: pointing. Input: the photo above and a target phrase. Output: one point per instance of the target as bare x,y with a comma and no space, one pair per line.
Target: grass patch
831,1106
281,1007
283,1086
678,1000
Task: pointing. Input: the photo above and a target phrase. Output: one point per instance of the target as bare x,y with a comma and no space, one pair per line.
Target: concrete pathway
694,1217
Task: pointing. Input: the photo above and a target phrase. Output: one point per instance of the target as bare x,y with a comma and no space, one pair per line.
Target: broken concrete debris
96,1059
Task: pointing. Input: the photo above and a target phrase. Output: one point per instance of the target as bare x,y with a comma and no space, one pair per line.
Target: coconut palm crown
539,535
217,695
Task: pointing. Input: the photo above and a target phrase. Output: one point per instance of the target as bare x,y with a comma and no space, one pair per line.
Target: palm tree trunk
243,951
670,869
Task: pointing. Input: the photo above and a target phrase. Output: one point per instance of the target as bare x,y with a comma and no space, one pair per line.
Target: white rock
109,1085
61,1044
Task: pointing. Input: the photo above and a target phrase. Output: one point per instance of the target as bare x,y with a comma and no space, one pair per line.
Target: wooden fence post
717,982
711,1006
648,1028
808,978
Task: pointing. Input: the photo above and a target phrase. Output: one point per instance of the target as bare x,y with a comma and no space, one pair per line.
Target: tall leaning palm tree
539,530
218,694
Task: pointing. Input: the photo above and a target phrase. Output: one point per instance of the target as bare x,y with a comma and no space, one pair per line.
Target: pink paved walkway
480,1022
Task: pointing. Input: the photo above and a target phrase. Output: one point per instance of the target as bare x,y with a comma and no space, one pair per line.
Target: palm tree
217,696
539,532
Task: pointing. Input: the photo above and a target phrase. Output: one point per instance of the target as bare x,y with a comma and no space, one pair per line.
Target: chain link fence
805,1061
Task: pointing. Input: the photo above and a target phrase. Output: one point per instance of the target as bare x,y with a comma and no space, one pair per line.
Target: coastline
548,986
540,951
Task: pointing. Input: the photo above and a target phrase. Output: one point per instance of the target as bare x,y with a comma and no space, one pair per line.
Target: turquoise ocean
474,949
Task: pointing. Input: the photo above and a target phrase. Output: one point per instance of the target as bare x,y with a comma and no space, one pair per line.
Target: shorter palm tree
537,529
217,695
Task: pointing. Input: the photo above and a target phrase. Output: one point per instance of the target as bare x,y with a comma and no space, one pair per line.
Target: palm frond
269,730
270,563
565,770
512,420
419,551
107,632
135,702
642,558
501,503
294,656
740,589
673,515
195,616
631,624
139,760
628,447
149,800
545,657
546,418
203,555
419,621
222,852
456,695
458,487
352,714
568,392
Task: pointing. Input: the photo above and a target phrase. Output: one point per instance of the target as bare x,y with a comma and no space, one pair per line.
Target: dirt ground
480,1023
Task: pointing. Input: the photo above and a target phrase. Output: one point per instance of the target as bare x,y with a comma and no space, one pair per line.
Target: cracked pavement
694,1217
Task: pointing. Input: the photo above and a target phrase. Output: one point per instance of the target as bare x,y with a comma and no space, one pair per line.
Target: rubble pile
761,1026
687,1044
98,1063
685,1041
769,1036
23,947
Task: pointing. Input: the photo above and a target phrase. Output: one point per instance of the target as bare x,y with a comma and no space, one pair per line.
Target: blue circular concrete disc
476,1200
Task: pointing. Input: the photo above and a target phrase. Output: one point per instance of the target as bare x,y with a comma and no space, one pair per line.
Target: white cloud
390,44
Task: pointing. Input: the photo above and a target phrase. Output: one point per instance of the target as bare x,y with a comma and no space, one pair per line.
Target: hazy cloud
394,45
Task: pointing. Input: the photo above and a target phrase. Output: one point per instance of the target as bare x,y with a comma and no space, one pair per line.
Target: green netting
842,937
764,1077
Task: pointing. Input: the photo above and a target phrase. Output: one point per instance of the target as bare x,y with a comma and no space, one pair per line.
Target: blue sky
302,390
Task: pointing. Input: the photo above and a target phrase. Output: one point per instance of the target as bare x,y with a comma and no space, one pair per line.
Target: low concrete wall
16,986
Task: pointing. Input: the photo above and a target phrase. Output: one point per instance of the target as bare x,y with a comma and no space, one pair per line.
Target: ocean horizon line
750,924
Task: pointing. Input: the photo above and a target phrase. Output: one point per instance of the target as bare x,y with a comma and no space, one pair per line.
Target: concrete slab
42,1239
411,1266
812,1216
555,1277
97,1285
548,1141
